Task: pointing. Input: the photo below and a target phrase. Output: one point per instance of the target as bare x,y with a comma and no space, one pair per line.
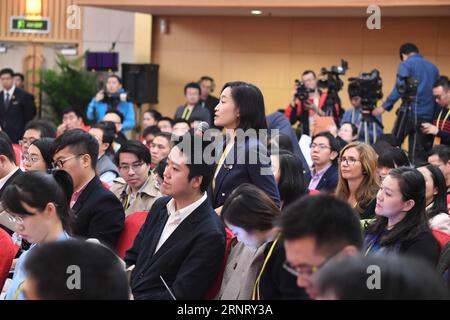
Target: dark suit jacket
198,112
329,180
21,110
237,170
189,260
98,214
7,183
210,104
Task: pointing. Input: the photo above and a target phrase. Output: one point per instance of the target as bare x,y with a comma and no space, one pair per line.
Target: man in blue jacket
421,109
99,105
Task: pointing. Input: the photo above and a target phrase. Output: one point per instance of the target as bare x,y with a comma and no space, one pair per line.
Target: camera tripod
368,122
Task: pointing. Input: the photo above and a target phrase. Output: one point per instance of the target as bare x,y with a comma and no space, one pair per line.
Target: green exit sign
27,25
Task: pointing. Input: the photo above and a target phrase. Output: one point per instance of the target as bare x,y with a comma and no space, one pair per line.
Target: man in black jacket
16,107
182,242
98,213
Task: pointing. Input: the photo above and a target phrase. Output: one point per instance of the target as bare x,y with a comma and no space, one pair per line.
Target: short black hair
136,148
329,220
168,136
155,114
46,128
203,78
393,157
284,142
108,134
198,166
7,71
193,85
179,120
79,142
443,82
408,48
74,110
20,75
309,71
6,147
334,144
401,277
353,126
45,146
115,76
151,130
160,167
103,276
166,119
442,151
120,114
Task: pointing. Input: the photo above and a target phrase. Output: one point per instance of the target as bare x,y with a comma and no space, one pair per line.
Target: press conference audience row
227,229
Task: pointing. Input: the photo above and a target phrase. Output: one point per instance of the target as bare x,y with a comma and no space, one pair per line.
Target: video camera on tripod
332,82
302,92
367,86
408,89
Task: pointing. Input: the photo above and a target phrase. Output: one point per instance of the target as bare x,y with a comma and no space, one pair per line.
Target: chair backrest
18,153
8,252
133,223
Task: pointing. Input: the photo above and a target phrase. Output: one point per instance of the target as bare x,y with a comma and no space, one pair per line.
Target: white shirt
176,217
10,91
6,178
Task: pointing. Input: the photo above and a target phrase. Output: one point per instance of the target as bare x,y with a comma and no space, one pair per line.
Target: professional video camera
332,82
302,92
116,98
368,87
408,89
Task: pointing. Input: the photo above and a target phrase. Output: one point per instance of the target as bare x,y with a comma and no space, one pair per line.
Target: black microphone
201,128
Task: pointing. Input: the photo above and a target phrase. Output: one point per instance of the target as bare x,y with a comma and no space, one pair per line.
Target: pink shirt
76,195
316,176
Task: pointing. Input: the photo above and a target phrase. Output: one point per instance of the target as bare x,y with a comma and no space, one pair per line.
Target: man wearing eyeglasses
316,229
98,213
136,188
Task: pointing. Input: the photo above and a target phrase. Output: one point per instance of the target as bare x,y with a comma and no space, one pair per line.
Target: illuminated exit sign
26,25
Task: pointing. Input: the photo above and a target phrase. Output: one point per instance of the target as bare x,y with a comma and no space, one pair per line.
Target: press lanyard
256,295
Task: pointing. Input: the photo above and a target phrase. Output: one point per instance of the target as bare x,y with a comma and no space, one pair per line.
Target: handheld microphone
201,128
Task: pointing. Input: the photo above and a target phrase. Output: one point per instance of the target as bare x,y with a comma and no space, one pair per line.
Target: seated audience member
98,213
440,157
180,127
315,229
288,173
106,169
38,203
39,155
436,198
401,225
150,117
117,118
165,124
192,107
72,119
194,122
36,129
207,100
324,154
358,181
136,188
102,275
160,147
391,158
183,240
104,102
149,134
281,142
384,141
250,214
348,132
159,172
401,278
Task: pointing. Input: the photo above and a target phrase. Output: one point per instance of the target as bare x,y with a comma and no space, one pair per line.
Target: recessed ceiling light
256,12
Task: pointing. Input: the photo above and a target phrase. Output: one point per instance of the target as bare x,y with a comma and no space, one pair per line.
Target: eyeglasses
134,166
59,164
15,219
306,271
26,142
348,161
320,146
32,159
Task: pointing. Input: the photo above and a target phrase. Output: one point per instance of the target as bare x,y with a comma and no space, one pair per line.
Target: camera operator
414,66
353,115
440,128
304,111
112,99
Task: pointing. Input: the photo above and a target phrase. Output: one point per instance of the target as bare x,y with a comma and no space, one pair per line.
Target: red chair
18,152
214,290
133,224
441,237
8,252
